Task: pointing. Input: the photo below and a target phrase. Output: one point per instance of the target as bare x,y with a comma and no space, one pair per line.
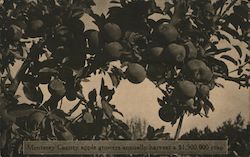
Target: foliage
236,132
140,130
50,40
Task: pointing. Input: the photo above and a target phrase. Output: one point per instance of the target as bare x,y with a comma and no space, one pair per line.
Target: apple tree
180,53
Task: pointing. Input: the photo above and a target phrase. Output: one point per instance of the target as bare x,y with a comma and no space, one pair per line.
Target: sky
140,100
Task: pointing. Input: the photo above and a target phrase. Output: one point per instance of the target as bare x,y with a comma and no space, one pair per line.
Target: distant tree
137,127
140,130
236,132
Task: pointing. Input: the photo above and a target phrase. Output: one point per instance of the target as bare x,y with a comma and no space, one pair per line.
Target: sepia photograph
124,78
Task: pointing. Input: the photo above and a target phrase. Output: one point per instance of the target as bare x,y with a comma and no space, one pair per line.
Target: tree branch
243,80
242,66
178,130
9,74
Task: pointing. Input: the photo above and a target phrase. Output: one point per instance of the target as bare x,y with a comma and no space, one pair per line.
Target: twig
81,97
10,77
71,111
178,130
238,80
239,67
76,118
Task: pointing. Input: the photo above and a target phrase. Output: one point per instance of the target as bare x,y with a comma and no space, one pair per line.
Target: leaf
88,118
115,2
222,36
108,110
150,132
123,3
160,102
206,109
232,32
238,49
209,104
28,78
32,93
117,111
219,51
160,130
239,71
48,70
60,113
162,21
77,13
121,124
92,95
221,67
114,11
160,81
229,58
114,79
50,63
247,59
39,95
105,92
219,85
219,4
167,7
214,51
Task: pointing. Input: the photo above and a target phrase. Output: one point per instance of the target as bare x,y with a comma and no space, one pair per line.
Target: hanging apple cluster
163,53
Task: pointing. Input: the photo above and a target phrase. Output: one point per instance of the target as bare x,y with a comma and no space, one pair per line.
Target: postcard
124,78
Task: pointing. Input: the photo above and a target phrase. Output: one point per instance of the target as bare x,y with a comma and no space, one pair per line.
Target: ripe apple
167,32
56,87
204,90
155,53
199,71
176,52
136,73
186,89
113,50
14,33
167,113
192,50
112,32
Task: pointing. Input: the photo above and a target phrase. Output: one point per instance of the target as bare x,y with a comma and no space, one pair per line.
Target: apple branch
243,80
178,130
10,77
240,67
